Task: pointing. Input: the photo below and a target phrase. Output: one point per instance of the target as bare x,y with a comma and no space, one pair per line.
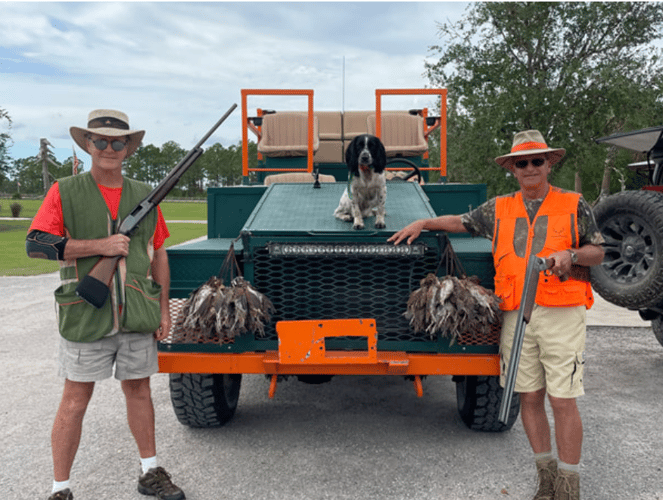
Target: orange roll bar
443,117
245,124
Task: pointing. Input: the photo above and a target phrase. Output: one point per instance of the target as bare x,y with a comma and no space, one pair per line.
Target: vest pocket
505,289
79,321
554,293
142,311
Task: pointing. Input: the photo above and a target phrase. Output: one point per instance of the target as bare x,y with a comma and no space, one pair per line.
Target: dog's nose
365,158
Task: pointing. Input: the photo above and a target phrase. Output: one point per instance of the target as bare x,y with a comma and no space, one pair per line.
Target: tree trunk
607,169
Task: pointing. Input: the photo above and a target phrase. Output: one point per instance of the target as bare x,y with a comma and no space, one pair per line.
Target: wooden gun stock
94,287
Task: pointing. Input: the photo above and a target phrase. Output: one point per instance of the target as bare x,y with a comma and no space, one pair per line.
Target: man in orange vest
543,220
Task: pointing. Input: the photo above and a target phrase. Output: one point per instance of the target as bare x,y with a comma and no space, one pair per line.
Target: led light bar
345,250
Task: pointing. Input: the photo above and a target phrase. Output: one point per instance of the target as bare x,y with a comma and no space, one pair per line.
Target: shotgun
94,287
534,266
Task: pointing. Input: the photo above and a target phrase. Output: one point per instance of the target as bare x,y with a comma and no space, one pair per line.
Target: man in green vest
76,225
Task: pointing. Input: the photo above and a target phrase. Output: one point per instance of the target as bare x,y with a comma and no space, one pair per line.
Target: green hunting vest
133,302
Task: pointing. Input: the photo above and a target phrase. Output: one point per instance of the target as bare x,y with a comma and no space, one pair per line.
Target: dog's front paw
358,225
380,225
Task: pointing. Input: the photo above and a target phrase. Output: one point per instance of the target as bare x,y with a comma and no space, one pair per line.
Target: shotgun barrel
534,266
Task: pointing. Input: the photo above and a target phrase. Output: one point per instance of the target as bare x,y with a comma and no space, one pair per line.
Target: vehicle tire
479,399
631,274
204,400
657,327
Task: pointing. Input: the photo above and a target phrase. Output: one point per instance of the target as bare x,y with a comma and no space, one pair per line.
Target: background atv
631,275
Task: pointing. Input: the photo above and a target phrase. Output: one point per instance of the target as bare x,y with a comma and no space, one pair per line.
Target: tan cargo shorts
134,356
553,354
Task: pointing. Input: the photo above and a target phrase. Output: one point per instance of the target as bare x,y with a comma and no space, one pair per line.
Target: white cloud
176,67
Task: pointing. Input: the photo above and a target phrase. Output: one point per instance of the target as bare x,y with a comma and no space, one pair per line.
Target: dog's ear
351,157
380,157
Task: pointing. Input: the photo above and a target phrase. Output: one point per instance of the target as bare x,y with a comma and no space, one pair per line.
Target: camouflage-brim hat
110,123
530,142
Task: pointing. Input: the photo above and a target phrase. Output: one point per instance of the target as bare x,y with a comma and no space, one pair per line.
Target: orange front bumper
302,352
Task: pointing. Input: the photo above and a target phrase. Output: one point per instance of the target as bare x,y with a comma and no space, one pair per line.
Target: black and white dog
366,193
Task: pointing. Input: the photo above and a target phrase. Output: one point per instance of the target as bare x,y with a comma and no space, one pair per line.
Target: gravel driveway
354,438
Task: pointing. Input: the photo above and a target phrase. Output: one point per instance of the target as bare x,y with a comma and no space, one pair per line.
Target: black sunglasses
102,144
537,162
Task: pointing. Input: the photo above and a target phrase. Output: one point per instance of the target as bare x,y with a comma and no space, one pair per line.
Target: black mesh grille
343,287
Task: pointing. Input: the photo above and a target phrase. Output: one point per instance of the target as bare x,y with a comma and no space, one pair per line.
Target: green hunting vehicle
339,294
631,275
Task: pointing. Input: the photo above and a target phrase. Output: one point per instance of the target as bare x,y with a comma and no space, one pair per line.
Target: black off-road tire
631,274
204,400
479,399
657,327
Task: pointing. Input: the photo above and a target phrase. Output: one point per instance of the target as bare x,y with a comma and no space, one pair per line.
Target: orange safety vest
555,228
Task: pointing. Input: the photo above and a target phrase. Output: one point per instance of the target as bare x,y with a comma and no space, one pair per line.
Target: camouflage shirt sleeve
481,222
588,230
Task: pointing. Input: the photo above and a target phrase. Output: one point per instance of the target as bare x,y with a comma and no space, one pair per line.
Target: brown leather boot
547,471
567,485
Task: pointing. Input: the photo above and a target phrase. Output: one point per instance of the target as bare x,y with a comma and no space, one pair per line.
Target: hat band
108,122
529,145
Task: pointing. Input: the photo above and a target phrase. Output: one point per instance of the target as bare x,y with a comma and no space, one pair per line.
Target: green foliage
29,173
5,138
218,166
16,209
574,71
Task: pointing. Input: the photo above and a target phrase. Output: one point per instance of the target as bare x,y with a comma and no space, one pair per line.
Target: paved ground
354,438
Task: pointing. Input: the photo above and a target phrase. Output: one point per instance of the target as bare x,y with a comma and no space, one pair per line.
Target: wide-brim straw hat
110,123
530,142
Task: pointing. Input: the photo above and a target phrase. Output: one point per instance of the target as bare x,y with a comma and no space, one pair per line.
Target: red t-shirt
49,218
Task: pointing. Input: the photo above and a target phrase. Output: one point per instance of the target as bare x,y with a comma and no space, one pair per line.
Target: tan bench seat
285,134
296,178
402,134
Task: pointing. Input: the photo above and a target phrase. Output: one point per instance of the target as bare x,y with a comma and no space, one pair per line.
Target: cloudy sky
175,68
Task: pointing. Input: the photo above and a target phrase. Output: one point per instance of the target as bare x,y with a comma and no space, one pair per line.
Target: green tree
151,164
5,139
223,166
574,71
28,173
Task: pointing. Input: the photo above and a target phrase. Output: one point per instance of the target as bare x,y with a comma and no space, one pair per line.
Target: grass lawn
15,262
172,210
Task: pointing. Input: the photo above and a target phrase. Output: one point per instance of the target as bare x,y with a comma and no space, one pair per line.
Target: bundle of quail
217,313
453,307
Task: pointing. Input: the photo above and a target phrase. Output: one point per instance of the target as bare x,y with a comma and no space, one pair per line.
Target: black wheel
202,400
632,271
657,326
479,403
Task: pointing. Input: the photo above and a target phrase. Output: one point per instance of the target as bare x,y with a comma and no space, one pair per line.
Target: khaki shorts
134,356
553,354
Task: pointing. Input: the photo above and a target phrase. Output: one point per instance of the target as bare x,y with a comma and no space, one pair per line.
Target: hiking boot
156,482
567,485
65,494
547,471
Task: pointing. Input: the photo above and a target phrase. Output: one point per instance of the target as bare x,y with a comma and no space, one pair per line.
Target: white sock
60,485
569,467
546,455
148,463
